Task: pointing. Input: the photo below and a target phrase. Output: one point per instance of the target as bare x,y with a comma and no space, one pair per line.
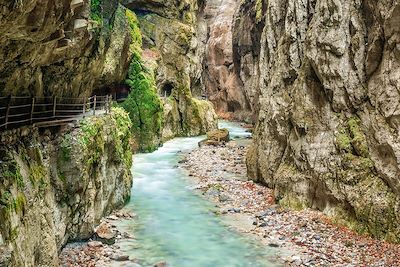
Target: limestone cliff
221,81
172,51
63,48
325,76
55,188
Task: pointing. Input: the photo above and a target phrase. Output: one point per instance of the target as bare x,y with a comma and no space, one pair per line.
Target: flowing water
176,225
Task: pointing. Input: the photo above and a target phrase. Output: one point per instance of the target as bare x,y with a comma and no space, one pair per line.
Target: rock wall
172,49
325,76
58,48
55,188
221,81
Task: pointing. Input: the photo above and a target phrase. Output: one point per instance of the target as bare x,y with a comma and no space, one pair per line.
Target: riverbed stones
316,240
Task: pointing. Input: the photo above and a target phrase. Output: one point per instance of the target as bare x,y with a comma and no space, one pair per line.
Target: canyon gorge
316,82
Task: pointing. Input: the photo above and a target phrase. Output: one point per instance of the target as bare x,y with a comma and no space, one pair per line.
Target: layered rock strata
327,82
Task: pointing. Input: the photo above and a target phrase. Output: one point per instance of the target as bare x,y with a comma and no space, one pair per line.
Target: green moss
343,141
13,234
65,147
143,105
122,135
20,202
37,174
358,141
292,202
91,138
136,35
96,11
11,171
351,139
62,176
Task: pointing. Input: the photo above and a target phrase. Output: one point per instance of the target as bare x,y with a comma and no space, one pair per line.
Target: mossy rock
219,135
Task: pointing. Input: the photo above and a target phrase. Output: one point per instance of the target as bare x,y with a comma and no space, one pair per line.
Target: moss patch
143,103
93,132
96,11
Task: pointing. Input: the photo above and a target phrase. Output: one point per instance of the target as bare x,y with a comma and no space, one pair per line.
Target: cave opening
166,90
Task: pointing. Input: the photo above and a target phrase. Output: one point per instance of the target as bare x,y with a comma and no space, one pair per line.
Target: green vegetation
351,139
91,138
96,11
93,131
122,136
65,147
37,174
136,35
358,141
11,172
143,103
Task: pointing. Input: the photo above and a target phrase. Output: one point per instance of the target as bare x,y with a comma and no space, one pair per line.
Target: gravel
310,235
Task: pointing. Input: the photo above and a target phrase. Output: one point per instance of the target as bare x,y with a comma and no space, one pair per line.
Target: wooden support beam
94,105
32,109
8,110
54,106
84,107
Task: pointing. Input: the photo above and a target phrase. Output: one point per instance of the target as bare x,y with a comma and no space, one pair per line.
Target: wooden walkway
49,111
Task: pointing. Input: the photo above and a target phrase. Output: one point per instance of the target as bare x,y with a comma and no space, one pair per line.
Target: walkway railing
18,111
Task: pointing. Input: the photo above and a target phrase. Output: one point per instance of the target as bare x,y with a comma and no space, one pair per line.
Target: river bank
220,175
172,224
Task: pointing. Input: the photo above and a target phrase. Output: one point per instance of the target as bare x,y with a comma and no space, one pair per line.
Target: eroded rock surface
327,82
56,48
56,188
172,48
221,81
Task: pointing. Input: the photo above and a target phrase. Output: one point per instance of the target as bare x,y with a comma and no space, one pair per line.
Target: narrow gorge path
176,226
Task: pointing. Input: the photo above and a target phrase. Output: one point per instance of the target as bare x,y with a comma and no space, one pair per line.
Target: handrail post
8,111
32,108
84,107
54,106
106,105
109,103
94,105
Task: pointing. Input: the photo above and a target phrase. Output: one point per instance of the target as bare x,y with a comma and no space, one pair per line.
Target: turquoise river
175,224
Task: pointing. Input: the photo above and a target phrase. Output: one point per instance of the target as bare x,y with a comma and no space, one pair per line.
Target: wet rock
224,197
95,244
105,233
160,264
234,210
120,257
219,135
